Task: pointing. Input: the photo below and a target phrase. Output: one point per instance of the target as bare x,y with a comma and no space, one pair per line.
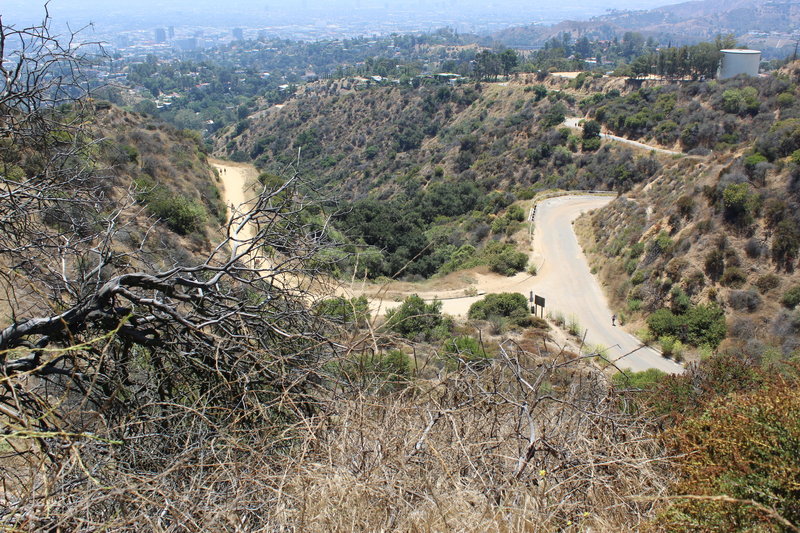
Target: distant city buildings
161,35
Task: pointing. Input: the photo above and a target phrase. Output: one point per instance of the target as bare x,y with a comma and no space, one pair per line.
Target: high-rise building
238,34
171,32
161,35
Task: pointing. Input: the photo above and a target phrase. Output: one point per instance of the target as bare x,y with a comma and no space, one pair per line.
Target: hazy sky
254,12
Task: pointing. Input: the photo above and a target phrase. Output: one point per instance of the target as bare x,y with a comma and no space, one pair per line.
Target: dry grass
530,443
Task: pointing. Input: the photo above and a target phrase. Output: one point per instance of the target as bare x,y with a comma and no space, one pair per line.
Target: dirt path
237,184
564,278
574,122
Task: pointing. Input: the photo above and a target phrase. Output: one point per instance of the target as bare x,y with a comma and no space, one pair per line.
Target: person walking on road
613,320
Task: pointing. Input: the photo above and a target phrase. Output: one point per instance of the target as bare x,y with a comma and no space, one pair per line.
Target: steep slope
722,233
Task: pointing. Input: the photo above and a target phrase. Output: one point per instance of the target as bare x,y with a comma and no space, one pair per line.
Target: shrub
702,324
381,372
515,213
417,319
754,248
743,447
733,277
507,304
591,145
740,300
715,264
646,379
785,243
344,310
663,323
705,324
181,214
767,282
739,203
466,349
671,347
791,297
685,205
591,129
573,326
505,259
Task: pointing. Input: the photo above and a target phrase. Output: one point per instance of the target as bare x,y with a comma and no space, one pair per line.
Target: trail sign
539,300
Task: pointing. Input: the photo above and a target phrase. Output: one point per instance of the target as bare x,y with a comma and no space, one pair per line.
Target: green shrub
705,324
733,277
785,243
663,323
644,380
466,349
739,203
744,447
791,297
506,304
671,347
505,259
415,319
181,214
378,372
574,327
344,310
702,324
591,145
515,213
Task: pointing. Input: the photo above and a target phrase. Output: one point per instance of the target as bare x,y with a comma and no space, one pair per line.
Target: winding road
563,278
567,284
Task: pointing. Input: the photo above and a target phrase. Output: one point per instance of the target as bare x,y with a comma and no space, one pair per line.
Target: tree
591,129
509,61
110,358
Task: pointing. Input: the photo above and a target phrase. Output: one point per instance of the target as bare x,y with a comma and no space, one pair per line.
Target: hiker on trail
613,320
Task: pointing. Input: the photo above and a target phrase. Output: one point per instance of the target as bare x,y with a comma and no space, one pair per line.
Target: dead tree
100,335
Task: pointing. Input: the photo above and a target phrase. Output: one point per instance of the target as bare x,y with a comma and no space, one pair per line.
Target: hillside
455,157
687,22
162,374
721,232
445,163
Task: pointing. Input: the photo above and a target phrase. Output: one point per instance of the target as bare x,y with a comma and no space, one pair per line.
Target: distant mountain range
754,22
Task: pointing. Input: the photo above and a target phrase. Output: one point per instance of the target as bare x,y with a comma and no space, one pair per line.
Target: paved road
564,278
575,123
568,285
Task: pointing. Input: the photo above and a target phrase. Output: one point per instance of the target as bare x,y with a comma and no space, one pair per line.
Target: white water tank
739,62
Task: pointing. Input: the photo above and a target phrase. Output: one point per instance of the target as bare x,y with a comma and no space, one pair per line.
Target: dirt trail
564,278
574,123
237,184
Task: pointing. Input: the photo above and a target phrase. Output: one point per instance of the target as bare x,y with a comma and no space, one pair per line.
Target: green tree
591,129
509,61
739,203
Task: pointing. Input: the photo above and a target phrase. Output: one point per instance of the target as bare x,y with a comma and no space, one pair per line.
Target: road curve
567,284
564,278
